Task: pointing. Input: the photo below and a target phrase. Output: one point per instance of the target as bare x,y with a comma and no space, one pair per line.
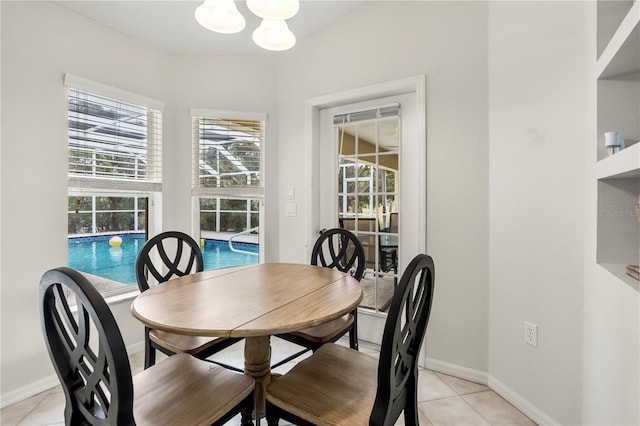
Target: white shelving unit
618,80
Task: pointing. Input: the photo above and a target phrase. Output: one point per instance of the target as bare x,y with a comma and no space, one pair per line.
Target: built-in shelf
619,271
622,165
618,109
622,54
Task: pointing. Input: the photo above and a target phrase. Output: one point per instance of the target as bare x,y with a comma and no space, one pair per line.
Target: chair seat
182,343
336,386
175,390
326,332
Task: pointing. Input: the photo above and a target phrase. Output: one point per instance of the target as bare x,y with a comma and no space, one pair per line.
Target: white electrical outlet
531,334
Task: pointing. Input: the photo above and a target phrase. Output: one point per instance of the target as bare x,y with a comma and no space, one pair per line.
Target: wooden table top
248,301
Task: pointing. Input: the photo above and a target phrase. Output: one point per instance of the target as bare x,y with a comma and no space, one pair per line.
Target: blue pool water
95,256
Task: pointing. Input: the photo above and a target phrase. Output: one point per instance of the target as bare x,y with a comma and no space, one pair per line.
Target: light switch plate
291,209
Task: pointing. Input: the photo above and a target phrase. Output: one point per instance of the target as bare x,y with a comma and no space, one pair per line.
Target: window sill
122,297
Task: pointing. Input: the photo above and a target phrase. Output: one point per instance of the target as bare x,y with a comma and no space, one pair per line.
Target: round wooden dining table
253,302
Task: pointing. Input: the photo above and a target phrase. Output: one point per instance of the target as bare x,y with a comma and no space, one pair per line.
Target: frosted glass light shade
274,35
221,16
274,9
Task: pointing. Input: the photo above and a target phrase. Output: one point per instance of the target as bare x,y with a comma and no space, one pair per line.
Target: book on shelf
633,271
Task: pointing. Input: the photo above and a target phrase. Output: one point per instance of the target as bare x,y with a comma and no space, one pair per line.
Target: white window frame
151,188
244,193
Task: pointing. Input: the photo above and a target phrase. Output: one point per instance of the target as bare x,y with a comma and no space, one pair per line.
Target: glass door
367,188
370,176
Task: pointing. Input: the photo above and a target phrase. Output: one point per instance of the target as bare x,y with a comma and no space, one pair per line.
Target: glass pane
367,138
230,152
346,140
106,241
107,137
226,204
349,169
351,204
207,221
223,221
142,203
114,221
79,204
208,203
233,222
79,223
372,170
389,134
142,221
114,203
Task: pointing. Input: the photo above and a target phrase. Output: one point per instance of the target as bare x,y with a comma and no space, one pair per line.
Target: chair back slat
404,332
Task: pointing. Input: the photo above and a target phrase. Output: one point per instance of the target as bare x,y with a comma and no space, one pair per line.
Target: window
228,180
115,178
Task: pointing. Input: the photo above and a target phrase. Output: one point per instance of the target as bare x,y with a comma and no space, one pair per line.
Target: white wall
379,42
539,56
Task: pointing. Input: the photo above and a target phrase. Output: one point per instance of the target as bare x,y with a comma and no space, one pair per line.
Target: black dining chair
339,386
165,256
339,249
90,359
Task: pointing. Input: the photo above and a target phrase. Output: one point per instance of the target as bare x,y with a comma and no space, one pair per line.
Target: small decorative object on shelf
633,271
613,142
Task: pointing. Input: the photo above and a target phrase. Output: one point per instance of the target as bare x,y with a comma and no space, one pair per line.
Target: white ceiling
169,25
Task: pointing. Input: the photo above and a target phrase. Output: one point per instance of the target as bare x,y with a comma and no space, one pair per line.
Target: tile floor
444,400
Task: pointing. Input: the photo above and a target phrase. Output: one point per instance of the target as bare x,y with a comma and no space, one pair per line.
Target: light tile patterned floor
443,400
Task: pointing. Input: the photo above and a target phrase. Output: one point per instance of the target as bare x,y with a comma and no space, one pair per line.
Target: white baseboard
515,399
457,371
46,383
29,390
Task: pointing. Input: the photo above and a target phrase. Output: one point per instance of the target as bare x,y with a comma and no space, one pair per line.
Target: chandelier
222,16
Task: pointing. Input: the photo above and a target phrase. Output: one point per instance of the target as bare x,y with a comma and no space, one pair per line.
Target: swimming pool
95,256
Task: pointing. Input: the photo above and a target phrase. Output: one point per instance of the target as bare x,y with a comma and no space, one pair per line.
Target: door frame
415,85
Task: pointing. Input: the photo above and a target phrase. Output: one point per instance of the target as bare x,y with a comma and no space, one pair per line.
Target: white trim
233,192
231,115
96,184
455,370
74,81
29,390
515,399
416,84
122,296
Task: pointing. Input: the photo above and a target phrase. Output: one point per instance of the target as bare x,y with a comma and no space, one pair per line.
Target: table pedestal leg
257,359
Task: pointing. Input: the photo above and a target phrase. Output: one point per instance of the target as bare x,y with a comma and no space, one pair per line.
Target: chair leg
353,333
271,415
411,406
149,351
246,413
